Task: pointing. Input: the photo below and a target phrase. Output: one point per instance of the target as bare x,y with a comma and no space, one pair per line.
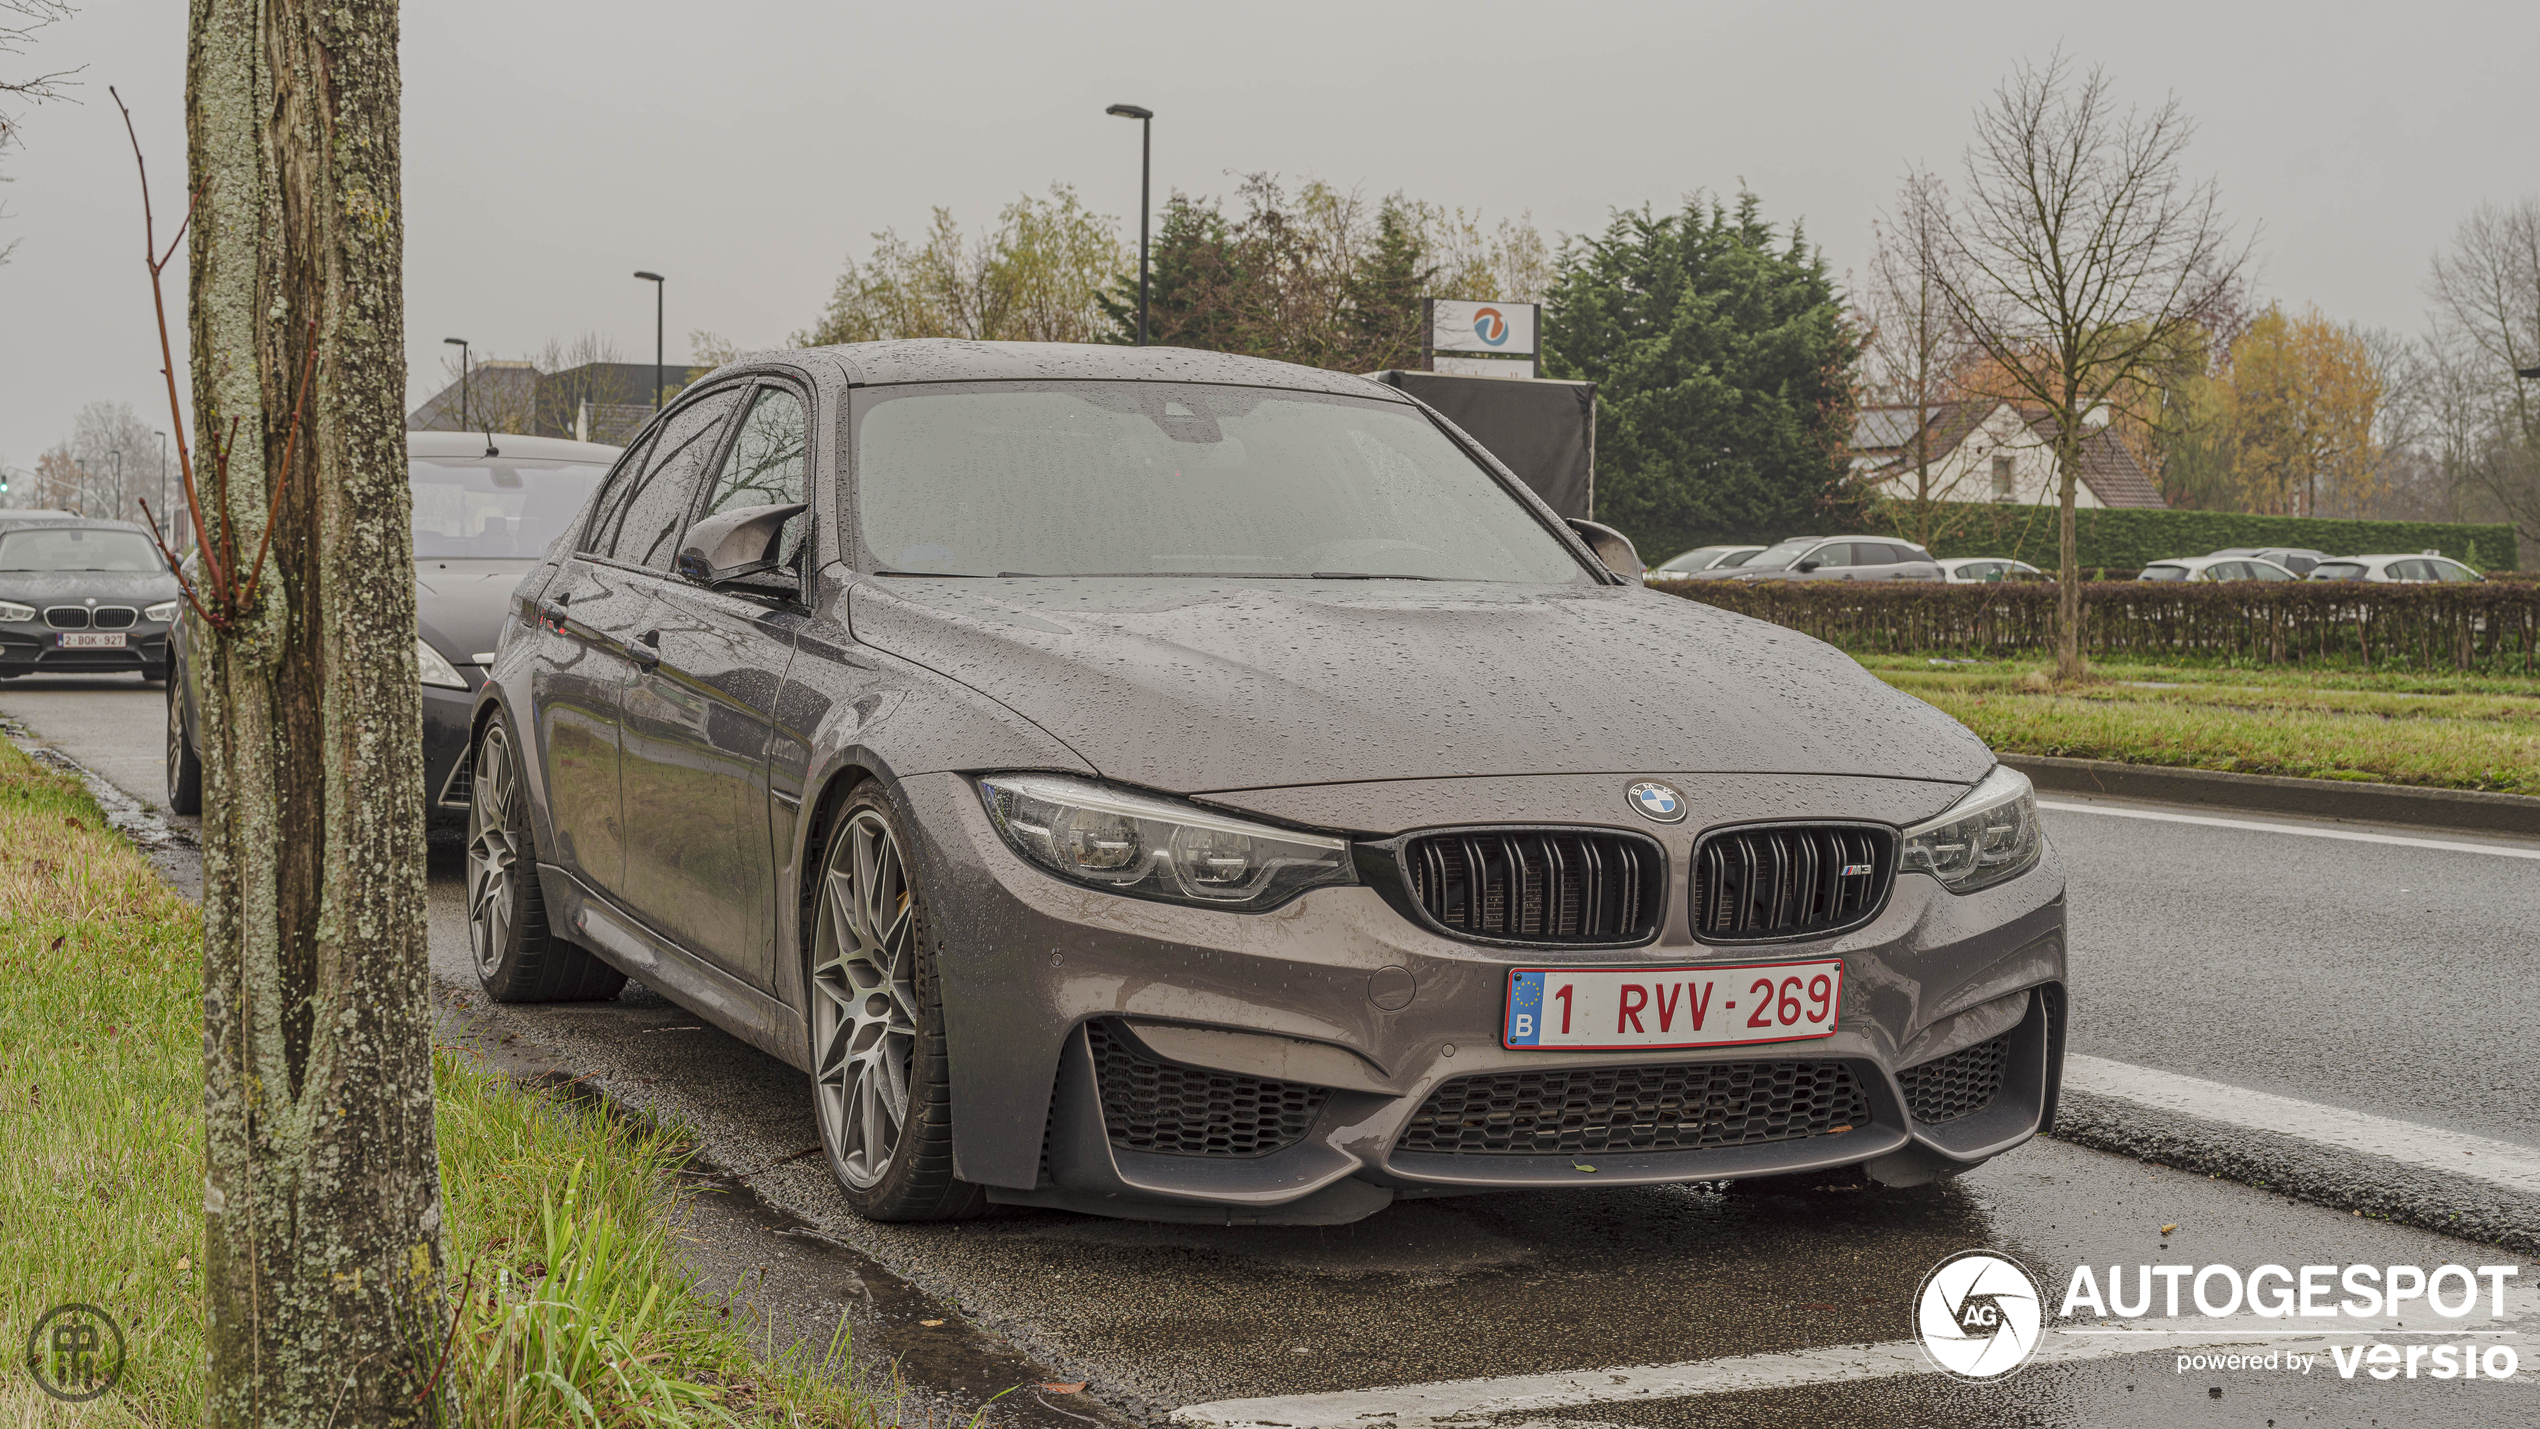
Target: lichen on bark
324,1250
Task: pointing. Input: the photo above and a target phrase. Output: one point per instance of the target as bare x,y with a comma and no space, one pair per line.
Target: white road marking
2350,835
1462,1402
2498,1162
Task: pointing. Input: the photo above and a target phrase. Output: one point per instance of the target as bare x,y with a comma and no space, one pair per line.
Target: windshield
1738,558
1151,478
2163,573
1779,557
2337,571
77,548
494,506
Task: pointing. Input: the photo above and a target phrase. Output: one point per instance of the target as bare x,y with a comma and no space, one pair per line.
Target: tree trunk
2068,663
323,1246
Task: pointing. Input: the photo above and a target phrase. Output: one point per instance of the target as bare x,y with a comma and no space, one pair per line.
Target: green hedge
2490,625
2129,539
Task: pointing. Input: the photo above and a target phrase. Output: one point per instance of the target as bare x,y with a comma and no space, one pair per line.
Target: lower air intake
1167,1109
1960,1084
1683,1108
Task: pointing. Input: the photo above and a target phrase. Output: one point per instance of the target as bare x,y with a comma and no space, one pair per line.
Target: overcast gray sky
745,149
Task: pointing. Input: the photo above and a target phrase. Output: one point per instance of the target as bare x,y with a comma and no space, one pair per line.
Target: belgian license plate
92,640
1610,1009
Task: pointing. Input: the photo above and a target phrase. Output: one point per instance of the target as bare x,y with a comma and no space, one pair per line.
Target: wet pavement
2180,965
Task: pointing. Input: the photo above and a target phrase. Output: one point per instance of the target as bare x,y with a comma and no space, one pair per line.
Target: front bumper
35,649
1047,984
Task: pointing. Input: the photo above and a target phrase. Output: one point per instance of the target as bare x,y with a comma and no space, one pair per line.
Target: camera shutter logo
75,1352
1978,1315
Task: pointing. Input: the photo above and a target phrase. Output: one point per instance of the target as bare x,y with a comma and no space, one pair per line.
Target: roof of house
2108,467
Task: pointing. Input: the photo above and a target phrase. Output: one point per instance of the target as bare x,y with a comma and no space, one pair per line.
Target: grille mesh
1681,1108
1964,1082
116,617
67,617
1172,1110
1538,886
1753,884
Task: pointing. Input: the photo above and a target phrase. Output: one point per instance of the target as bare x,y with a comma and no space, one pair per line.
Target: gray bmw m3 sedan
1183,786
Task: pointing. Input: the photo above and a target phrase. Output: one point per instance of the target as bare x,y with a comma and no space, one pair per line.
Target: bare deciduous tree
324,1246
2079,258
19,20
2486,293
1915,351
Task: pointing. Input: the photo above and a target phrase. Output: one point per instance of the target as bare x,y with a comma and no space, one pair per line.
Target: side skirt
626,944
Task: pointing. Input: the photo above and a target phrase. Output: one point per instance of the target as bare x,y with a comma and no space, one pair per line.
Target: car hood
459,604
109,587
1199,687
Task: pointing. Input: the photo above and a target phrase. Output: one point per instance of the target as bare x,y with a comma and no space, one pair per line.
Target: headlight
1986,837
436,670
11,610
163,612
1128,843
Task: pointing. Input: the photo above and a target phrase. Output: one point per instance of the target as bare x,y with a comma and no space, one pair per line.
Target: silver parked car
1685,564
1840,558
1976,570
2215,568
1179,785
2297,559
2402,570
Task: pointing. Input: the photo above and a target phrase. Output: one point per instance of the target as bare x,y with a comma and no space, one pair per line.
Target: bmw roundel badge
1657,801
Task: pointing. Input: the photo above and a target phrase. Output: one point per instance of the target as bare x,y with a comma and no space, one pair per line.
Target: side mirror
735,544
1807,565
1612,547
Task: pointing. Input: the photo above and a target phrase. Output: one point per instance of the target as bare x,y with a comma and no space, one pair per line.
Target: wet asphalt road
2270,961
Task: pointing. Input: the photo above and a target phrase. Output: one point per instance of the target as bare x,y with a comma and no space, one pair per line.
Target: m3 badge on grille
1656,800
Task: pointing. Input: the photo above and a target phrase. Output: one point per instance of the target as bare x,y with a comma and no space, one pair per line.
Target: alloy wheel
176,739
493,849
864,998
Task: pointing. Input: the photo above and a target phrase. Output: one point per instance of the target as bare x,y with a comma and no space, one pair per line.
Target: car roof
2401,556
510,444
76,523
901,360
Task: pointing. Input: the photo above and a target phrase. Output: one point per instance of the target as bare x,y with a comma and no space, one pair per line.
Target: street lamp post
656,280
461,344
1146,169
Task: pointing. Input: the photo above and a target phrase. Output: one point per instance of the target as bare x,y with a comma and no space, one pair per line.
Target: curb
2460,809
2333,1177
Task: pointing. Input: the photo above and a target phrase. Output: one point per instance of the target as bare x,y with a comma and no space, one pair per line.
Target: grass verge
569,1304
2441,731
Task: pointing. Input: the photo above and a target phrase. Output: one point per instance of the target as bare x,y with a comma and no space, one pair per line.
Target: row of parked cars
1883,558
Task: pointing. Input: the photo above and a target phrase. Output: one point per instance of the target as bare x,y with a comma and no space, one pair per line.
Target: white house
1991,451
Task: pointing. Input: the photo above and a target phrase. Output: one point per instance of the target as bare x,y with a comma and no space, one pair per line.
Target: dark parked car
480,521
1179,785
80,596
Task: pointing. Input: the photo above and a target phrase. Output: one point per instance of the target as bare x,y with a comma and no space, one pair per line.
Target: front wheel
517,958
881,1072
185,767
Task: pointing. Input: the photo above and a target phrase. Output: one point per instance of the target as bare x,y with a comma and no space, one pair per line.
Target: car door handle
644,650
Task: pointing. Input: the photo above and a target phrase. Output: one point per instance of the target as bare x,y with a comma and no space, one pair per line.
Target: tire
518,958
185,767
881,1072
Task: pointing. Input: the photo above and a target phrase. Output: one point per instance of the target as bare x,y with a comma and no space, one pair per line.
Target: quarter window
644,527
768,467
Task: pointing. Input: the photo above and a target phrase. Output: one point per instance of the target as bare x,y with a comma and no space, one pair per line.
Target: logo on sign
1657,801
1491,326
1978,1315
